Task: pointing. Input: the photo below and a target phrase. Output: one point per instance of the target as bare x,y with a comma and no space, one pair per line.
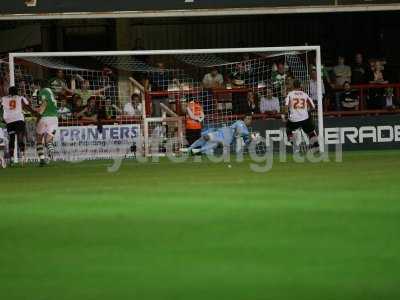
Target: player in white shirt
13,115
298,104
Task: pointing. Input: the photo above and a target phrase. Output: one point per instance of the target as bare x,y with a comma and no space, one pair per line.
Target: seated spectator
106,110
90,112
77,106
134,106
251,106
64,112
342,72
349,98
389,95
313,87
213,79
269,103
359,70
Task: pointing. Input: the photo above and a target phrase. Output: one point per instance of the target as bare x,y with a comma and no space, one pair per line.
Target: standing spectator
313,86
64,112
279,75
251,107
86,93
59,85
194,120
133,107
107,80
376,98
159,81
349,98
342,72
279,79
359,70
245,70
213,79
269,103
377,74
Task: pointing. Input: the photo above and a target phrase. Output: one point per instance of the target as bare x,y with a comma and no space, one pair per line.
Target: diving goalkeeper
224,136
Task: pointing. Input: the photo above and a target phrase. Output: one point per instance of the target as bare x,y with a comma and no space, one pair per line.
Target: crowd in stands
343,83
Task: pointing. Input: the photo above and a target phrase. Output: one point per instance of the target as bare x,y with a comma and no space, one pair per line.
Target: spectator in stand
279,75
64,112
313,87
269,103
86,93
325,73
376,98
377,74
59,85
245,70
159,81
251,105
349,98
90,112
109,111
359,71
213,79
389,95
279,78
77,105
133,107
328,83
194,120
342,72
107,80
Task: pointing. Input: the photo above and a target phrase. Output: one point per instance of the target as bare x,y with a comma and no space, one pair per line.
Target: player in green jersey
47,124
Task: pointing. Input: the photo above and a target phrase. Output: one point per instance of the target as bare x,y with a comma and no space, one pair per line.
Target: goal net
119,103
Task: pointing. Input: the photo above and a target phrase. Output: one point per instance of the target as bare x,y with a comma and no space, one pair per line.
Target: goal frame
317,49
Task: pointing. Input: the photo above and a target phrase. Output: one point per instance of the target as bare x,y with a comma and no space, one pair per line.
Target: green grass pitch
202,231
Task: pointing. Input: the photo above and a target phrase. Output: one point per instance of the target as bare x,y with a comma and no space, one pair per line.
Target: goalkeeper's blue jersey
227,134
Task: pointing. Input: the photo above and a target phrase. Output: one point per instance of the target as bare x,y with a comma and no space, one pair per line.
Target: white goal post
148,119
